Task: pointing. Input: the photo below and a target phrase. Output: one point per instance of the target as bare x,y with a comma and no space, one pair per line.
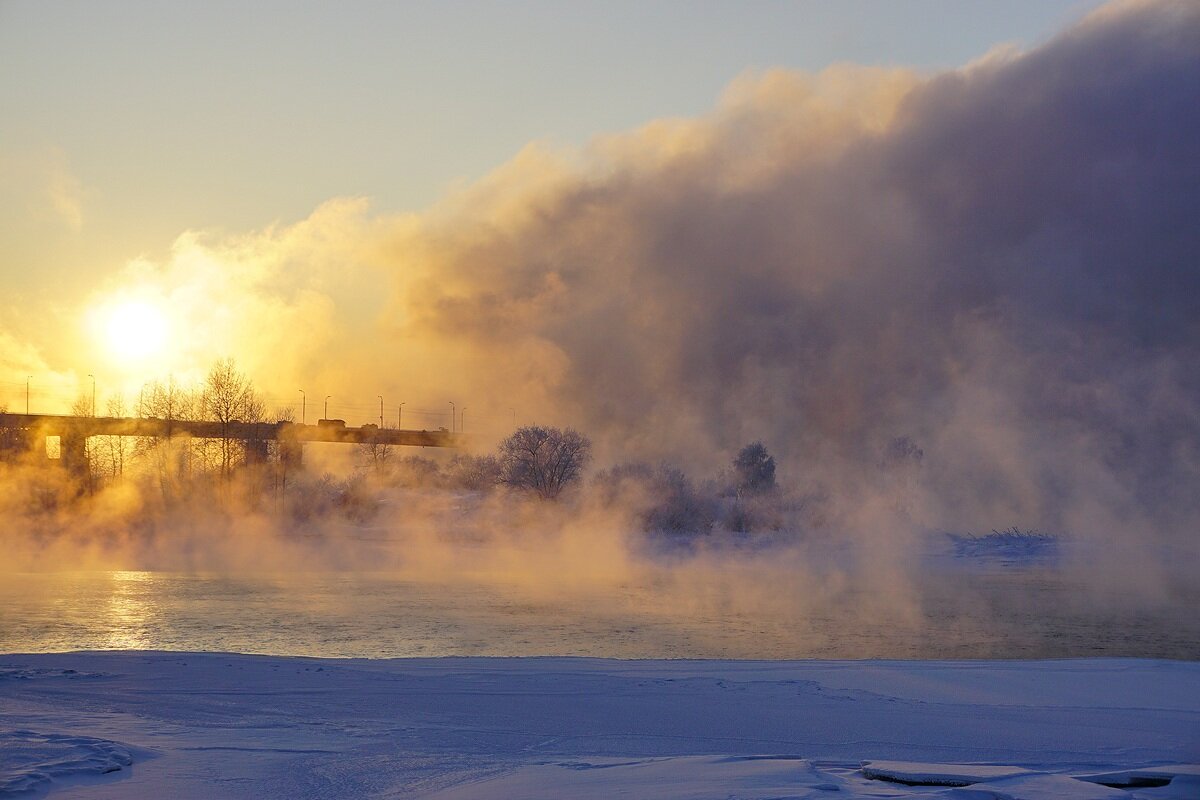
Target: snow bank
1039,787
993,782
35,762
685,778
919,774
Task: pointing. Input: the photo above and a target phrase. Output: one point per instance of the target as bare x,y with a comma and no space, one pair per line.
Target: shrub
664,496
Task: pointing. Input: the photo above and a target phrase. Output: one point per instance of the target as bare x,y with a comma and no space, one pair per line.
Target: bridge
30,431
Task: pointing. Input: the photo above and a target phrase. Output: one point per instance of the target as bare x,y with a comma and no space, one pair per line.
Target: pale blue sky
162,117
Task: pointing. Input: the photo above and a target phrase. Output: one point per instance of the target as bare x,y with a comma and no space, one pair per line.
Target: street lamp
399,413
27,380
452,415
514,413
462,420
327,405
303,406
380,410
93,377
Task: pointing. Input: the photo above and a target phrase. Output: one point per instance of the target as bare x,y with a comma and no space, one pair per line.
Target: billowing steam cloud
950,302
997,262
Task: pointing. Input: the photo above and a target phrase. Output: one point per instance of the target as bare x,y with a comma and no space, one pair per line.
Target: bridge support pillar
33,442
256,451
291,453
73,453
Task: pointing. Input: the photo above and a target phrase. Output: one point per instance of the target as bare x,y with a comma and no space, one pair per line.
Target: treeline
180,463
544,463
178,466
534,460
549,464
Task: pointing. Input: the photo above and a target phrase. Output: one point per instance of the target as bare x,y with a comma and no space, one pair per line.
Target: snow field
210,725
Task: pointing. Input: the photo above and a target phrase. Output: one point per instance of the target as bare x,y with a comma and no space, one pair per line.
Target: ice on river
186,725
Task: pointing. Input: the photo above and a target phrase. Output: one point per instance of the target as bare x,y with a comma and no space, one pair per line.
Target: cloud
269,298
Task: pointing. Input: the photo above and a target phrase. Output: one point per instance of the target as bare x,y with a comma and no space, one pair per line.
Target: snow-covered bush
1011,544
663,497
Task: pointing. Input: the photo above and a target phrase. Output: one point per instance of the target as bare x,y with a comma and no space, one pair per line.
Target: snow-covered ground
187,725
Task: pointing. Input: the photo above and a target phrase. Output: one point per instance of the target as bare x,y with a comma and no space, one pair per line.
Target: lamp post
27,380
462,420
452,415
514,413
399,414
326,416
93,377
380,411
303,406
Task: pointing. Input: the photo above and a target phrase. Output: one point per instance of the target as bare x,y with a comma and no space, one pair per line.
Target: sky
944,251
220,114
126,124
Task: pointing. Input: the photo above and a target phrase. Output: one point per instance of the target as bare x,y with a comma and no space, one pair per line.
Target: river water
981,614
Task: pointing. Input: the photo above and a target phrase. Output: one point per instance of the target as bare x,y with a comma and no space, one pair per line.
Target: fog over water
985,615
946,303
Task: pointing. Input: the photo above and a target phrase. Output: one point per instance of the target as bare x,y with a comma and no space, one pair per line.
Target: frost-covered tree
543,460
476,473
663,496
902,451
754,470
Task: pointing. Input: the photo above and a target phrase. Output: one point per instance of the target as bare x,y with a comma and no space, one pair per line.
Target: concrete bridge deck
291,432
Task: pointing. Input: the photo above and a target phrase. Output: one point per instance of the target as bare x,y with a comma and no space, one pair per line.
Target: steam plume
997,262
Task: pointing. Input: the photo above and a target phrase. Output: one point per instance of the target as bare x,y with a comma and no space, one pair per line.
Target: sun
134,330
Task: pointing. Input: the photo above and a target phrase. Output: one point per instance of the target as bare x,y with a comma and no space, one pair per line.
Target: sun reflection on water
132,610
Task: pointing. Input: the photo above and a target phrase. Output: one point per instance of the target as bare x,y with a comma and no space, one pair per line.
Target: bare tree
284,453
475,473
229,397
417,472
171,456
166,401
373,451
543,460
82,407
111,450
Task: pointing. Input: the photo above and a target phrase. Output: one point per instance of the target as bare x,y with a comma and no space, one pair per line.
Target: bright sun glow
135,330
